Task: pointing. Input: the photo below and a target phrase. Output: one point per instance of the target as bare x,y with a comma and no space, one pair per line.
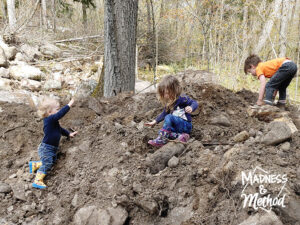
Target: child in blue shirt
49,111
176,114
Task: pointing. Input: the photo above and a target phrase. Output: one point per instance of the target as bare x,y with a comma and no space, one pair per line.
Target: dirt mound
105,165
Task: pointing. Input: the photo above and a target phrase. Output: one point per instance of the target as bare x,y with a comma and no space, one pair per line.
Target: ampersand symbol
262,189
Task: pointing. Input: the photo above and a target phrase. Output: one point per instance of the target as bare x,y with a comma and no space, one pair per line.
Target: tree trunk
44,13
268,27
84,15
11,15
3,10
120,46
54,15
283,28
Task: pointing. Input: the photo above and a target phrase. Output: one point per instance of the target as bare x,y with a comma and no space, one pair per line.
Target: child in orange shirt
280,71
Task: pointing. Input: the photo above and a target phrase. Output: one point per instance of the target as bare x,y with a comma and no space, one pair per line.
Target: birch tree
268,27
120,46
11,11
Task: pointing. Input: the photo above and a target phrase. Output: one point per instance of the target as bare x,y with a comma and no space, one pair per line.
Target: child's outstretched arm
262,88
158,119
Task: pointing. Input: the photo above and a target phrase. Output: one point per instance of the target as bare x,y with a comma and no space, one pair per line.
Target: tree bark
11,11
84,15
268,27
120,46
54,15
3,11
44,13
283,28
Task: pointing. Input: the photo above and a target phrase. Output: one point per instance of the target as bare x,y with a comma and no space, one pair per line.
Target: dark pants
280,81
47,154
177,124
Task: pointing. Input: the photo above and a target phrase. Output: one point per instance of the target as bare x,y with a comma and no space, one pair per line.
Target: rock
159,160
10,52
279,132
85,88
252,132
220,120
5,84
285,146
31,85
4,188
58,67
91,215
265,113
178,216
233,151
3,59
30,52
173,162
74,202
149,206
289,122
4,72
242,136
19,191
268,218
52,85
290,213
143,86
50,50
25,71
20,57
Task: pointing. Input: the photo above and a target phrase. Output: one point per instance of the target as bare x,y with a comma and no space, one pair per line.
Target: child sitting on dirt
48,110
177,112
280,70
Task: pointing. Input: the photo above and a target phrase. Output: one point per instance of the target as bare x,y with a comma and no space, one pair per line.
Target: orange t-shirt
269,68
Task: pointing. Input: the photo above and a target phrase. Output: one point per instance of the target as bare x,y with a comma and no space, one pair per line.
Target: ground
106,164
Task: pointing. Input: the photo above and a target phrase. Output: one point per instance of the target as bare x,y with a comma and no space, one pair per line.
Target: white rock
52,85
25,71
4,72
20,57
3,59
31,85
5,84
31,52
50,50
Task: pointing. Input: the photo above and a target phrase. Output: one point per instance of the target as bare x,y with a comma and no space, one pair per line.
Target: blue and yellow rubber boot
34,166
39,181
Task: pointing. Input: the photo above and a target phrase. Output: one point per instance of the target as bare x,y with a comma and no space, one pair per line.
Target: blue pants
280,81
47,154
177,124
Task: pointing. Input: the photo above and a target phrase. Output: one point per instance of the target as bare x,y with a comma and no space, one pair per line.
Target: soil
104,165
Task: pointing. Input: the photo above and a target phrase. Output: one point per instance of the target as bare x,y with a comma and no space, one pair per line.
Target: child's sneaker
34,165
184,137
38,181
158,142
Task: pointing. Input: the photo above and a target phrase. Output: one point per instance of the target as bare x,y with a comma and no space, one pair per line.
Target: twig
78,39
11,129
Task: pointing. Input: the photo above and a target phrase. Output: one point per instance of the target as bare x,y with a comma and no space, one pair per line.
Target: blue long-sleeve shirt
52,129
182,102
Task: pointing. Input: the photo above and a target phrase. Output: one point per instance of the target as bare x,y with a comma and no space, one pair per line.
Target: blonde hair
45,106
172,86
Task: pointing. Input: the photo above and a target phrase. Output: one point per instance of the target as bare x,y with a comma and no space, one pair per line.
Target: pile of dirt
106,167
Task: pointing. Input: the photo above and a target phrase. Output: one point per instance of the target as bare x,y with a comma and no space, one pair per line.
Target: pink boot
184,137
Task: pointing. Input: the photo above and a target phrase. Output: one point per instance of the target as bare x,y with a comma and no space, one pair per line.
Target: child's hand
260,102
73,134
188,109
150,124
71,102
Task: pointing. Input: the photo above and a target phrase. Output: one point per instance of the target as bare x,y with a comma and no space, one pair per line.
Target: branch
78,39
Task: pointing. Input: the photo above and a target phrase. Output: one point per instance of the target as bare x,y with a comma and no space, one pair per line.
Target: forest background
172,35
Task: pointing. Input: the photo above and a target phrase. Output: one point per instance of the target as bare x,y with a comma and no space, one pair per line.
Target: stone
173,162
52,85
252,132
149,206
142,86
289,122
220,120
178,216
20,72
264,113
4,72
5,84
291,211
231,152
19,191
268,218
50,50
85,89
278,132
58,67
285,146
31,53
31,85
4,188
242,136
91,215
20,57
3,59
159,159
74,202
10,51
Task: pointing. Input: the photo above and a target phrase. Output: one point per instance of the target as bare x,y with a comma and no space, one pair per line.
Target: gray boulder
3,59
50,50
220,120
4,188
4,72
31,53
268,218
20,72
278,132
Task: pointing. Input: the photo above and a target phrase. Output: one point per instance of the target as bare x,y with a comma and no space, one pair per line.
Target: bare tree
54,15
11,11
283,27
44,13
120,46
268,27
